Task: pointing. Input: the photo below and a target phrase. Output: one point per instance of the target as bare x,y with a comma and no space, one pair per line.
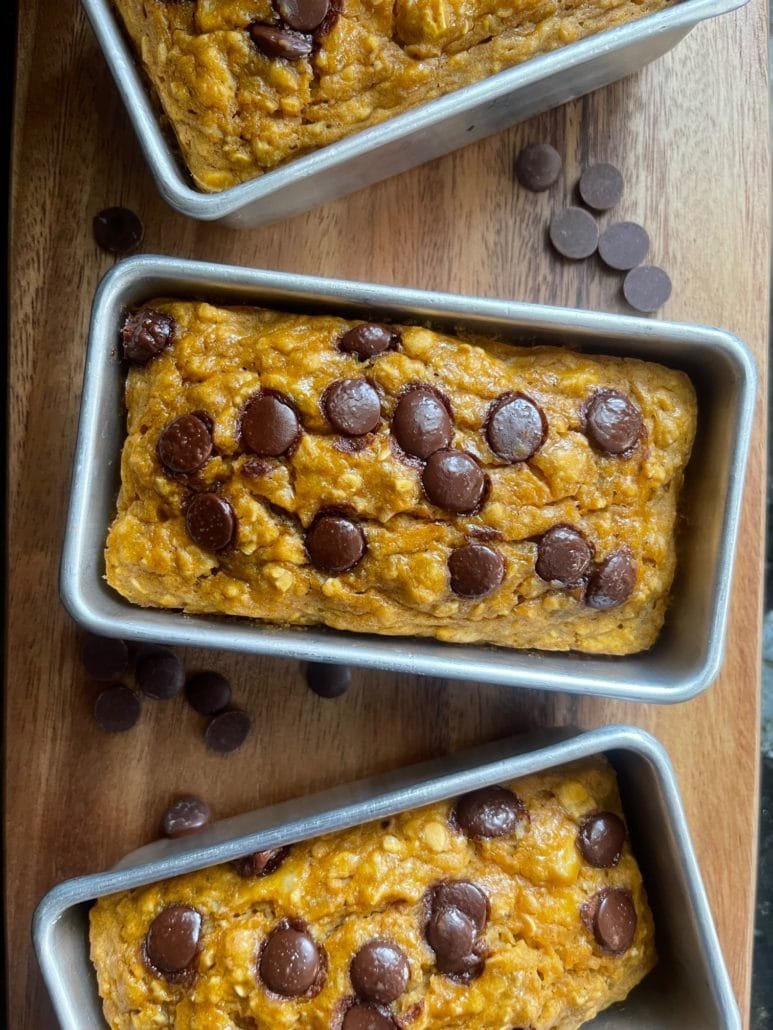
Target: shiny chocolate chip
490,812
516,428
369,340
208,692
118,230
454,481
117,709
210,521
612,582
613,422
466,896
421,423
160,674
185,445
290,962
260,863
379,971
172,942
451,935
563,555
611,916
145,334
186,815
302,15
328,680
335,543
600,839
352,406
104,658
367,1017
276,42
227,731
475,570
269,425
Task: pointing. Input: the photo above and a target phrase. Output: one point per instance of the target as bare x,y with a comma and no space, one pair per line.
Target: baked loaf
390,479
517,906
249,84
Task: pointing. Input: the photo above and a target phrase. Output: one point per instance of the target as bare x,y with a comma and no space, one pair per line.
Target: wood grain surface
690,135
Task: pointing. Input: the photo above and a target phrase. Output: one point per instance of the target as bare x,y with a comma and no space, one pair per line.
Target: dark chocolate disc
466,896
623,245
516,428
490,812
451,934
421,423
145,334
379,971
260,863
369,339
160,674
172,942
328,680
302,15
601,838
612,582
185,445
613,422
601,186
186,815
269,425
104,658
227,731
454,481
208,692
538,166
475,570
210,521
647,288
611,916
275,42
118,230
574,233
563,556
335,543
367,1017
352,406
117,709
290,962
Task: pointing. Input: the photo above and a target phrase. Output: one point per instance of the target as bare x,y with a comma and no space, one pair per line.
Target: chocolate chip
538,166
104,658
328,680
475,570
145,334
421,423
208,692
290,962
612,582
302,15
600,839
276,42
160,675
563,556
269,425
574,233
172,942
491,812
466,896
227,731
118,230
186,815
623,245
613,422
647,288
451,935
210,521
352,406
369,339
611,916
601,186
185,445
366,1017
117,709
260,863
379,971
454,480
515,428
334,543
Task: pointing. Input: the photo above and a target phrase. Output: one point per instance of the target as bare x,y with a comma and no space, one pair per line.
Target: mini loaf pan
419,135
688,654
688,990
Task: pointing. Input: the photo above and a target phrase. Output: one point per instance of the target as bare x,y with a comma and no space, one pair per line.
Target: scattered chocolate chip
118,230
335,544
538,166
185,445
623,245
227,731
269,425
367,1017
613,422
210,521
260,863
104,658
491,812
186,815
563,556
611,917
454,481
290,962
421,423
117,709
172,942
379,972
475,570
574,233
515,428
600,839
208,692
369,339
466,896
302,15
160,675
276,42
352,406
601,186
328,680
647,288
145,334
612,582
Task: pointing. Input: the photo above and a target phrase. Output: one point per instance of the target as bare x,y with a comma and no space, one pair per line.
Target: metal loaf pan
686,658
688,990
402,142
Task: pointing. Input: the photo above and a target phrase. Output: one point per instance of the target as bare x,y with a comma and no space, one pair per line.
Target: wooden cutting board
690,135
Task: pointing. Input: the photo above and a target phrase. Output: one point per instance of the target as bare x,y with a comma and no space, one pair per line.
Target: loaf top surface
542,958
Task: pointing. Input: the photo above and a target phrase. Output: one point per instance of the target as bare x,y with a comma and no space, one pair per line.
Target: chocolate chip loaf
249,84
515,906
310,470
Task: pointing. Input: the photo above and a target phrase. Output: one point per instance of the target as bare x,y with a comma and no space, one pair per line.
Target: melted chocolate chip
104,658
276,42
352,406
491,812
260,863
367,1017
172,942
379,972
160,674
302,15
611,916
612,582
117,709
334,543
269,425
185,445
421,423
451,935
369,339
612,422
210,521
601,838
516,428
563,556
466,896
454,481
118,230
475,570
186,815
208,692
290,962
145,334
